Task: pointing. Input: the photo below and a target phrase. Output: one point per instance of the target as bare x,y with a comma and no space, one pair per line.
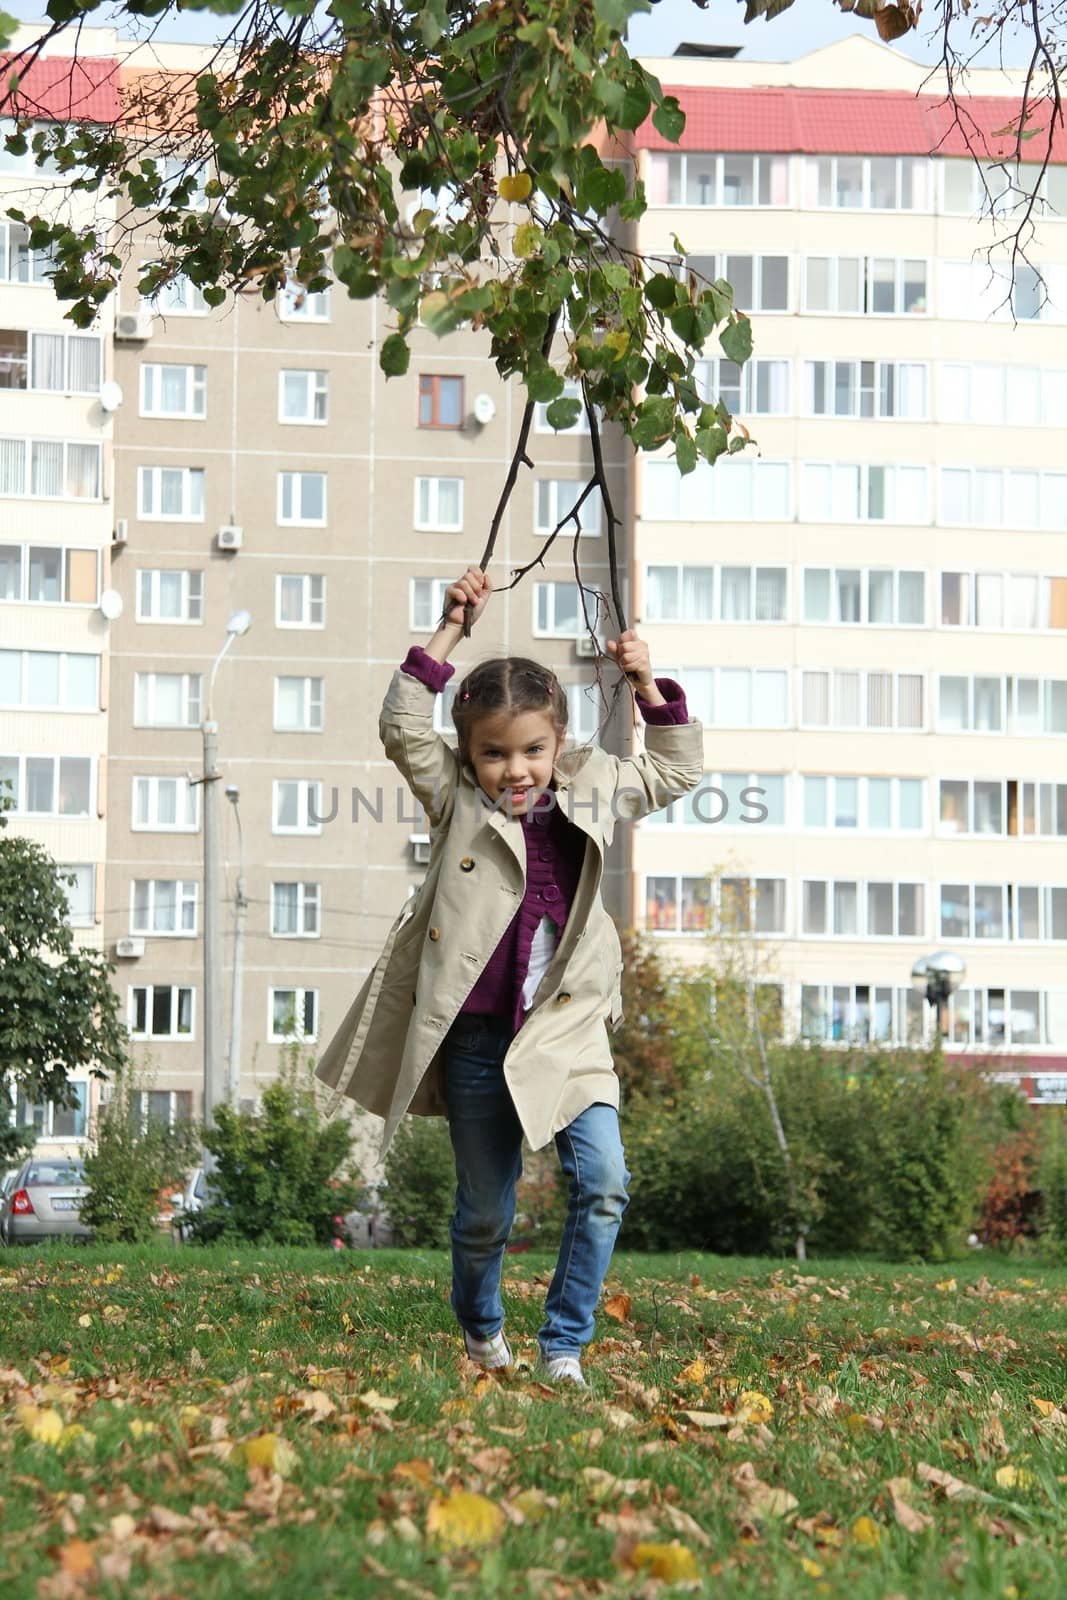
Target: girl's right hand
474,588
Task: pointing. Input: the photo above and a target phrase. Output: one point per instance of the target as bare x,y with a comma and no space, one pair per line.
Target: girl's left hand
630,654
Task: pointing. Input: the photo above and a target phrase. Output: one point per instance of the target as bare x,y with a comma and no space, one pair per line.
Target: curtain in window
174,387
698,588
661,594
10,571
849,597
772,490
735,584
846,699
770,594
815,906
911,588
815,699
846,908
12,466
879,700
770,698
47,365
83,471
909,700
46,467
40,784
735,696
83,363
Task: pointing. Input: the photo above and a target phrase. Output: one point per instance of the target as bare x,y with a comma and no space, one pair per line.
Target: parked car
44,1201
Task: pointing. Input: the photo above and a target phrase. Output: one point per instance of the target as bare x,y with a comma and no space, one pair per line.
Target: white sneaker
488,1353
564,1369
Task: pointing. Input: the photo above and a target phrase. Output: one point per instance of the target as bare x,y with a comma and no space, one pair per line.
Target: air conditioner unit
229,536
132,946
122,531
586,647
133,325
420,848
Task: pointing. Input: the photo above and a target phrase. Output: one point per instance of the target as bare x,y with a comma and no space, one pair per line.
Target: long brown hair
506,683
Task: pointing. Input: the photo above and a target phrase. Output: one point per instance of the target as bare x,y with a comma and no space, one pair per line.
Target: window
585,712
868,183
164,1108
998,497
992,291
426,599
694,904
49,680
50,786
572,390
48,574
160,1011
79,886
171,390
997,1017
170,494
751,905
302,499
999,705
760,283
296,910
857,492
20,264
862,804
169,595
716,594
860,1013
741,800
865,285
166,699
557,499
741,697
293,1014
758,389
178,297
302,395
1007,806
299,600
297,304
677,905
1023,601
298,705
731,491
881,389
439,504
64,363
865,595
991,189
165,805
49,469
297,806
847,908
440,401
852,699
699,179
50,1121
1001,396
559,612
163,906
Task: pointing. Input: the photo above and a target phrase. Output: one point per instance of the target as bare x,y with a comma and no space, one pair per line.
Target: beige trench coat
386,1054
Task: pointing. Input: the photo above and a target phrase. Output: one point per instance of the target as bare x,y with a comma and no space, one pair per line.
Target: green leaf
668,119
663,291
653,422
563,413
636,104
736,339
394,356
685,453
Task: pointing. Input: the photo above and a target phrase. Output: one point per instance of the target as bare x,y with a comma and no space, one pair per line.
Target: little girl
492,999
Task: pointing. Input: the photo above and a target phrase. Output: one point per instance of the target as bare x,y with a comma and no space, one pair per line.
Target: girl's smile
512,753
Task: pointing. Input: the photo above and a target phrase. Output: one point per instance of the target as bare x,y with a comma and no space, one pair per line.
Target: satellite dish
111,604
484,408
110,396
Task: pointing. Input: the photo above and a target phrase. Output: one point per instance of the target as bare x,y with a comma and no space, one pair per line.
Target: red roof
851,122
60,89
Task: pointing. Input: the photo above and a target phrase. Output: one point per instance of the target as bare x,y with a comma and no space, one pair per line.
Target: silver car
44,1202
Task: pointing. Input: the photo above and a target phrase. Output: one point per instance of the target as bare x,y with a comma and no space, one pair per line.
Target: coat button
435,934
551,893
563,999
467,864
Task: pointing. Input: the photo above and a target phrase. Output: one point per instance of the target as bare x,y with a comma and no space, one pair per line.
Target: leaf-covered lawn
287,1423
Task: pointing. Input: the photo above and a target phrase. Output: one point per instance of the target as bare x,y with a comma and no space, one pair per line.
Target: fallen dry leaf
464,1521
683,1523
378,1402
754,1407
43,1426
866,1532
77,1560
617,1306
672,1563
707,1419
695,1372
954,1488
761,1500
910,1520
1010,1477
268,1450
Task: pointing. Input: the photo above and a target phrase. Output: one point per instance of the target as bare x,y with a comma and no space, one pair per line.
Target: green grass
170,1359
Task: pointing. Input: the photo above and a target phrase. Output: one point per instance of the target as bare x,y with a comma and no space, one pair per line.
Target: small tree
130,1164
420,1178
58,1011
279,1175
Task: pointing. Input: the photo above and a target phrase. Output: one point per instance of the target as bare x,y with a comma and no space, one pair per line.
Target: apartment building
868,608
57,406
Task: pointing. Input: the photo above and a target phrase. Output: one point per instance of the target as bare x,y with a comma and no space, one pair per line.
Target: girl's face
513,753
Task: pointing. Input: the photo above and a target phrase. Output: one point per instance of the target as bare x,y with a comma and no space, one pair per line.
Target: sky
807,25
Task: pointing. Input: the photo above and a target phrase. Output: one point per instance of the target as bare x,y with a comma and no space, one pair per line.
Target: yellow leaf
1046,1407
77,1560
671,1562
268,1450
71,1434
464,1520
123,1527
114,1314
812,1568
378,1402
532,1503
617,1306
947,1285
85,1320
526,240
695,1372
515,186
707,1419
43,1427
1014,1477
866,1532
141,1430
755,1406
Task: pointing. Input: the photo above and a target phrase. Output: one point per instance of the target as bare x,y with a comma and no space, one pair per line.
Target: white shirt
543,948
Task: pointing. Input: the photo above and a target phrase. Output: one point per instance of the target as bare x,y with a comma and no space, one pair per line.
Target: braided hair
506,683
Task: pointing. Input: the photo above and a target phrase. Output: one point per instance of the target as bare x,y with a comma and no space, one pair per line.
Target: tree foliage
58,1011
130,1162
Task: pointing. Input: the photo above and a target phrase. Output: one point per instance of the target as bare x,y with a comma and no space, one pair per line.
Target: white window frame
442,712
1042,802
1002,577
961,1030
191,692
309,798
717,569
44,1125
1010,723
810,184
841,479
696,809
24,703
295,479
313,598
150,491
20,795
27,491
720,268
703,496
863,935
186,797
308,899
186,898
426,599
192,596
549,489
682,158
15,249
316,387
713,887
176,990
858,389
864,675
1009,893
195,380
864,620
297,304
66,387
433,521
572,390
300,997
1049,490
184,298
716,375
863,822
313,694
547,590
866,285
64,552
905,1007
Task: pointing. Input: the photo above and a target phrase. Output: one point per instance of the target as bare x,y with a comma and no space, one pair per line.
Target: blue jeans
487,1142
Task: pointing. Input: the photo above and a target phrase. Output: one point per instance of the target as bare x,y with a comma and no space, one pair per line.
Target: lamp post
937,977
239,624
240,907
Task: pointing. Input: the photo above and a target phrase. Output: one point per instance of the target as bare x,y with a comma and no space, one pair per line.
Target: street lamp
239,624
935,978
240,907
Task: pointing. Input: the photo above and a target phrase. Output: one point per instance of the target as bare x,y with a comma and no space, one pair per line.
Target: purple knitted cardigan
555,850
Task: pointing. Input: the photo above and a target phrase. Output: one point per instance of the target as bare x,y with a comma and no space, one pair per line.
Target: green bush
279,1174
129,1165
420,1178
1052,1181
